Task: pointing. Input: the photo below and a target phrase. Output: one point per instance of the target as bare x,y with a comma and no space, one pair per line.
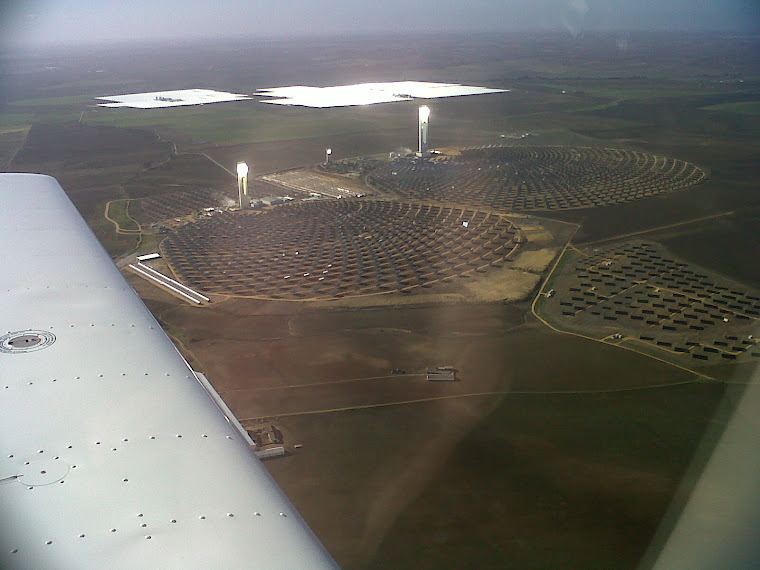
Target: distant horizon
31,23
239,39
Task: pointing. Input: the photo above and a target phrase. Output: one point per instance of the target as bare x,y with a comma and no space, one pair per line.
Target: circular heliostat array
336,248
536,178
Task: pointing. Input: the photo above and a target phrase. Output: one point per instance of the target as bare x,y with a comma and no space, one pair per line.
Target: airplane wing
112,452
718,526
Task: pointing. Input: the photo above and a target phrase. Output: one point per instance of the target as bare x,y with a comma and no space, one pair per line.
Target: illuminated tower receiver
424,116
242,172
328,152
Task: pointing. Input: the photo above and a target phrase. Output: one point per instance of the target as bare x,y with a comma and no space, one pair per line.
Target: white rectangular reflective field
157,99
367,93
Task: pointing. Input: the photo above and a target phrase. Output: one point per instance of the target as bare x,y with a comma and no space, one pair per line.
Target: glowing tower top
242,172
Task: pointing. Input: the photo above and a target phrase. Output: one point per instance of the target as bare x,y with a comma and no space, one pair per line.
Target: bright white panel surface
367,93
112,454
179,98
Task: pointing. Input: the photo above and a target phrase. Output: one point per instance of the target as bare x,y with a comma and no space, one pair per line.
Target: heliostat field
518,178
337,248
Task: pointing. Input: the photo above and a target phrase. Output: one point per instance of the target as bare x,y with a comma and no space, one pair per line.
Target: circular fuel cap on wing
25,341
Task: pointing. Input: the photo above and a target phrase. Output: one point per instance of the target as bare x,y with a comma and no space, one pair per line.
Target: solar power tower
242,172
423,131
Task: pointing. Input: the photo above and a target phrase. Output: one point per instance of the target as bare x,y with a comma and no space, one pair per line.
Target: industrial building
441,374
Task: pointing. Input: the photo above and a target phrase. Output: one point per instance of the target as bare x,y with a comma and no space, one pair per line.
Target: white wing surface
719,526
112,453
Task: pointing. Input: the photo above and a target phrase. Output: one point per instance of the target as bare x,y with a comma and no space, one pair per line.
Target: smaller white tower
328,152
242,172
423,131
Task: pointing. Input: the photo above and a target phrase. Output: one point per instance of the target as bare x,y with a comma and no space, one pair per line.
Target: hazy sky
84,21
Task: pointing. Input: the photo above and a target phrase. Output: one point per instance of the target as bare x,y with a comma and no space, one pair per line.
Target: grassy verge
116,244
744,107
118,211
53,101
238,123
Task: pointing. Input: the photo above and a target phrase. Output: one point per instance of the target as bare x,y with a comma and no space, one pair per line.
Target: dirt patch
504,284
588,466
276,359
355,496
538,236
311,180
535,260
